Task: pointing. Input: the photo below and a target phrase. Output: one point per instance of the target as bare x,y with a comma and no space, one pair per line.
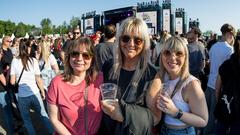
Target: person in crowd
34,46
30,91
74,96
219,52
130,70
76,34
181,98
105,50
7,55
47,63
196,53
5,101
163,37
227,83
213,39
15,47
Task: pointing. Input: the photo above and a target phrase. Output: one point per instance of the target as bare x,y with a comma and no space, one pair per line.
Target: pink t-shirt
70,102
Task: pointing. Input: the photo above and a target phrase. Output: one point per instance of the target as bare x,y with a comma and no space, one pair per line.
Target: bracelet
179,114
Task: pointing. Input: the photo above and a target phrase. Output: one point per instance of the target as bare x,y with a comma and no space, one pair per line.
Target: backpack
228,106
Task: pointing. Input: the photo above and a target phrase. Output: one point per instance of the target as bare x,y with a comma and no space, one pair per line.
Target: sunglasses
168,53
10,41
127,38
85,55
76,33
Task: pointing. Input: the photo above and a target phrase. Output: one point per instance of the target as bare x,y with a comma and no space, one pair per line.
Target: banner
150,18
89,26
166,20
179,25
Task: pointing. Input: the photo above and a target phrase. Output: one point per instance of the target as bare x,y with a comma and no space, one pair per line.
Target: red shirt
70,101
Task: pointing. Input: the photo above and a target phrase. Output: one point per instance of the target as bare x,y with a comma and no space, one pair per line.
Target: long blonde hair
175,43
130,25
45,51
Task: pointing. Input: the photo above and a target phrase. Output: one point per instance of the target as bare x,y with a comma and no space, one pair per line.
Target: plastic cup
165,89
108,91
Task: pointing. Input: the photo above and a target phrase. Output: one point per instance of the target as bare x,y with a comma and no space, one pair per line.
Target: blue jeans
5,104
35,101
169,131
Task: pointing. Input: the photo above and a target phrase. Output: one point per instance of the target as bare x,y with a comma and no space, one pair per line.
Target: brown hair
92,72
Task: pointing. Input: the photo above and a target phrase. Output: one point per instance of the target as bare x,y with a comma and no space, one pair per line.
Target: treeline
20,29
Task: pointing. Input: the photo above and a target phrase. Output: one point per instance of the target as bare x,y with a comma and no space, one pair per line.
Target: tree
1,28
46,26
20,30
207,33
9,28
74,22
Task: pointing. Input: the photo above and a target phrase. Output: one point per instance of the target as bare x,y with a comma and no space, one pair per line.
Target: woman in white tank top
182,102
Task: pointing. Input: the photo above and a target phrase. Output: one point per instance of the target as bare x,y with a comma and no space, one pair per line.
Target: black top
230,77
1,85
6,58
132,104
104,52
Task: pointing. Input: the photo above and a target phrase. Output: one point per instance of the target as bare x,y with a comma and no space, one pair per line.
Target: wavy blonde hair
175,43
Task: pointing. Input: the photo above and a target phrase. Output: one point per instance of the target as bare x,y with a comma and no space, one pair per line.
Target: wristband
179,114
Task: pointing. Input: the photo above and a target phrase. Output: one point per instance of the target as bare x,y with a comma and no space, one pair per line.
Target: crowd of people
167,84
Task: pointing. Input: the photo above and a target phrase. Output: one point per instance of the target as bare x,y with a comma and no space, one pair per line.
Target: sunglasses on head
168,53
85,55
127,38
76,33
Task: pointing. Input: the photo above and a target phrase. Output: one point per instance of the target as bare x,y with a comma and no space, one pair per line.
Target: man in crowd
105,50
196,52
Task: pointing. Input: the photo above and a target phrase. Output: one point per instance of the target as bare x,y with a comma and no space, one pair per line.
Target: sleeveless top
178,100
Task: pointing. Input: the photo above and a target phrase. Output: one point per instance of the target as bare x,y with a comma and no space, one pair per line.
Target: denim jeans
5,104
169,131
35,101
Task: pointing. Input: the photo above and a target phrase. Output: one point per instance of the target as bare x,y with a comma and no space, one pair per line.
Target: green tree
1,28
9,28
74,22
46,26
207,33
20,30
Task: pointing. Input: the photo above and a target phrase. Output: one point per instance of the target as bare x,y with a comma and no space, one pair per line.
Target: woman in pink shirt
74,96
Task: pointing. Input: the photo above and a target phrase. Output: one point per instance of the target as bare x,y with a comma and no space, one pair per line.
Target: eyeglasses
127,38
76,33
10,41
85,55
168,53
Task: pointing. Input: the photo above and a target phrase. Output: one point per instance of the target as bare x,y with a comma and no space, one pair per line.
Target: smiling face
174,57
80,59
173,62
131,45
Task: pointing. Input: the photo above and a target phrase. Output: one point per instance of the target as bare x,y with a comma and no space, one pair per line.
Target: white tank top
178,101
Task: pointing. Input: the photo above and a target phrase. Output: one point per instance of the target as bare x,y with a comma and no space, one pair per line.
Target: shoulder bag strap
85,110
43,66
20,76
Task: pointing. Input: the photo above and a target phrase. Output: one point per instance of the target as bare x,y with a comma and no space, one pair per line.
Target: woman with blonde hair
181,97
130,70
47,63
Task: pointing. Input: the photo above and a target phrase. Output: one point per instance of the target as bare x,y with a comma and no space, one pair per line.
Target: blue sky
211,13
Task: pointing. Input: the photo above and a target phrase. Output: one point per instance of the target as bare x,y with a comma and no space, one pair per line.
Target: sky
212,14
